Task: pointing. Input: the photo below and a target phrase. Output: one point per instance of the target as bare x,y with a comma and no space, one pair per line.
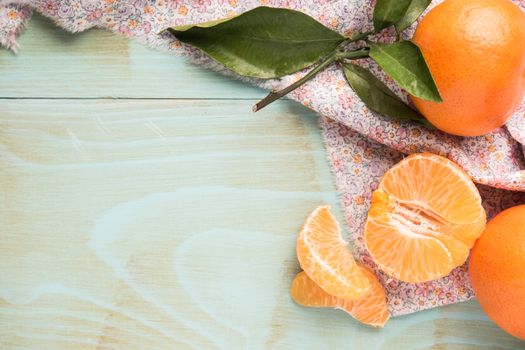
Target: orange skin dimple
475,50
424,217
370,309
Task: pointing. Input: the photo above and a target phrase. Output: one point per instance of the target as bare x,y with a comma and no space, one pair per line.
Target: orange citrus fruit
475,50
497,272
324,256
425,216
370,309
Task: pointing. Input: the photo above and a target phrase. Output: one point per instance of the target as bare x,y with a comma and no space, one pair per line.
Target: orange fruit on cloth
325,258
475,50
424,218
496,269
370,309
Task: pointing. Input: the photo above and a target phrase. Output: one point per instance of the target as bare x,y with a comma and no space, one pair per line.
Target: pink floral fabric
361,145
13,19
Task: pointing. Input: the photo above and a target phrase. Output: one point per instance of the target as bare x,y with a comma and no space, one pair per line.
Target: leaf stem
325,62
359,36
354,55
275,95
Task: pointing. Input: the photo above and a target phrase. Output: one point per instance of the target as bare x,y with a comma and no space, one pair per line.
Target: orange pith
370,309
425,216
325,258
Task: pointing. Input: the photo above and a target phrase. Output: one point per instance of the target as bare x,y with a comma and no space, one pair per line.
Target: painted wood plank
97,63
172,225
150,223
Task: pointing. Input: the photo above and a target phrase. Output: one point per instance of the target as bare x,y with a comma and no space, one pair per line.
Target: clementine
424,218
475,50
496,270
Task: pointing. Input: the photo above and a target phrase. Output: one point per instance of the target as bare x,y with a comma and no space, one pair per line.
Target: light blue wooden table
143,206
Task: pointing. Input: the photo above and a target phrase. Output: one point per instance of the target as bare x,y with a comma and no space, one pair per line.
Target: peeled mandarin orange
425,216
475,50
370,309
325,258
496,269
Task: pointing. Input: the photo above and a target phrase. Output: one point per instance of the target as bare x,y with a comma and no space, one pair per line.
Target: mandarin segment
406,256
324,256
370,309
306,292
440,186
424,217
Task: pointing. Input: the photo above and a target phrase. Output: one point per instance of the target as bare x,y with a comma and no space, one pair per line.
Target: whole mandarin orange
475,50
497,270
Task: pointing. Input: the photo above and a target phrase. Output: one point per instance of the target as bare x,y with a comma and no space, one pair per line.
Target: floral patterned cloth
361,145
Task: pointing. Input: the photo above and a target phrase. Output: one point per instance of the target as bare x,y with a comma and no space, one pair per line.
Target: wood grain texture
98,64
166,224
170,218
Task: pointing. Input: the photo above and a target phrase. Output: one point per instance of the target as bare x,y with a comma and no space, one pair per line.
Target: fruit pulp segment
411,241
324,256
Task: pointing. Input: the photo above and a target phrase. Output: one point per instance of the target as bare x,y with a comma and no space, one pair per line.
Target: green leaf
415,9
264,42
378,97
201,25
389,12
404,62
